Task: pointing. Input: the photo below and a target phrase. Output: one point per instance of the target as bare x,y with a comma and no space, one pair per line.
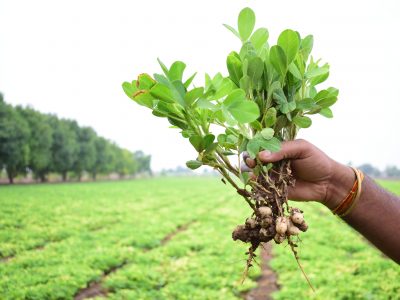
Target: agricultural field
168,238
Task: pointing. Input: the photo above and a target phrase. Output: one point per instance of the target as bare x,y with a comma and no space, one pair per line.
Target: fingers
251,163
290,150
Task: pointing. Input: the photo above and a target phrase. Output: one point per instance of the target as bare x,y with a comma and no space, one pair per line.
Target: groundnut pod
281,225
297,218
251,223
278,238
265,211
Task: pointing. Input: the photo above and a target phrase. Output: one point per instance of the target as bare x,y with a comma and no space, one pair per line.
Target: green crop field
169,239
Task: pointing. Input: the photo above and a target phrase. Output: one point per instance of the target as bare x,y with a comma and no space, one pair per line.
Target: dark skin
376,214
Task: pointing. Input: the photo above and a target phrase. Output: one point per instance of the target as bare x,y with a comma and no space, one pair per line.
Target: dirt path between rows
95,288
267,283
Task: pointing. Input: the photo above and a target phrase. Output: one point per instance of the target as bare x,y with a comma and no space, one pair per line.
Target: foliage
268,95
104,158
39,143
14,134
392,171
65,148
87,150
77,232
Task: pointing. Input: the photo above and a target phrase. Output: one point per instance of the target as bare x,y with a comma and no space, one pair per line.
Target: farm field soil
168,238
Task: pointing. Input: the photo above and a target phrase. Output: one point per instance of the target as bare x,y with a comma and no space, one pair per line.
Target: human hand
318,177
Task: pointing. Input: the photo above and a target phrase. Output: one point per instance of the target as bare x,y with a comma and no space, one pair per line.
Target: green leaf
326,98
162,92
306,46
176,71
278,60
231,29
229,119
144,98
235,96
193,95
245,83
253,147
177,123
247,51
189,80
129,89
163,67
246,22
326,112
295,71
333,91
273,144
162,79
255,70
193,164
289,41
281,121
302,122
244,177
259,38
208,140
326,102
305,104
179,91
145,82
234,66
318,71
256,125
197,142
267,133
244,111
270,117
223,89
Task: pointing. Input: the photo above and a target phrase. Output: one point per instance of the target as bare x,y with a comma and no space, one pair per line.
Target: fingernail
264,154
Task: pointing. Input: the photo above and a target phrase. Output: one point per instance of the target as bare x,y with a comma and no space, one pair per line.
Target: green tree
370,170
125,163
87,150
104,158
392,171
65,148
40,142
14,141
143,162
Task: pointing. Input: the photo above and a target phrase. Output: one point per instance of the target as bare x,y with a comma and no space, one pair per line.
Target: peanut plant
267,96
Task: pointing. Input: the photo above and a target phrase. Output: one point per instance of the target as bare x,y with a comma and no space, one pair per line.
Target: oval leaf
259,38
302,122
278,59
244,111
289,41
246,22
193,164
267,133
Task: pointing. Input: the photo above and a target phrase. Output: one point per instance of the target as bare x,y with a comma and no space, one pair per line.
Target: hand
318,177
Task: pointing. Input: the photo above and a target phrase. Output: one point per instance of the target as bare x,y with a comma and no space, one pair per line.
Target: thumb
290,150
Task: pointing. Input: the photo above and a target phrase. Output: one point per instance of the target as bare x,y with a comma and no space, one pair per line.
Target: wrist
339,185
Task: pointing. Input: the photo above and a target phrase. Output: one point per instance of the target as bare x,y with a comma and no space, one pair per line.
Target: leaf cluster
268,94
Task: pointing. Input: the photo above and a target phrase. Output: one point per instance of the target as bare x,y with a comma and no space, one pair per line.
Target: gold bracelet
360,177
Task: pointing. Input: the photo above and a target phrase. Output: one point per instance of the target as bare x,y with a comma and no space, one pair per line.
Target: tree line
389,172
39,143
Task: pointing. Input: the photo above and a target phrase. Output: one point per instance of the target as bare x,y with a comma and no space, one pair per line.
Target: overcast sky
70,58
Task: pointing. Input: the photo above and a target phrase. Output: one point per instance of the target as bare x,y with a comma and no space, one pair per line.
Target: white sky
70,58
